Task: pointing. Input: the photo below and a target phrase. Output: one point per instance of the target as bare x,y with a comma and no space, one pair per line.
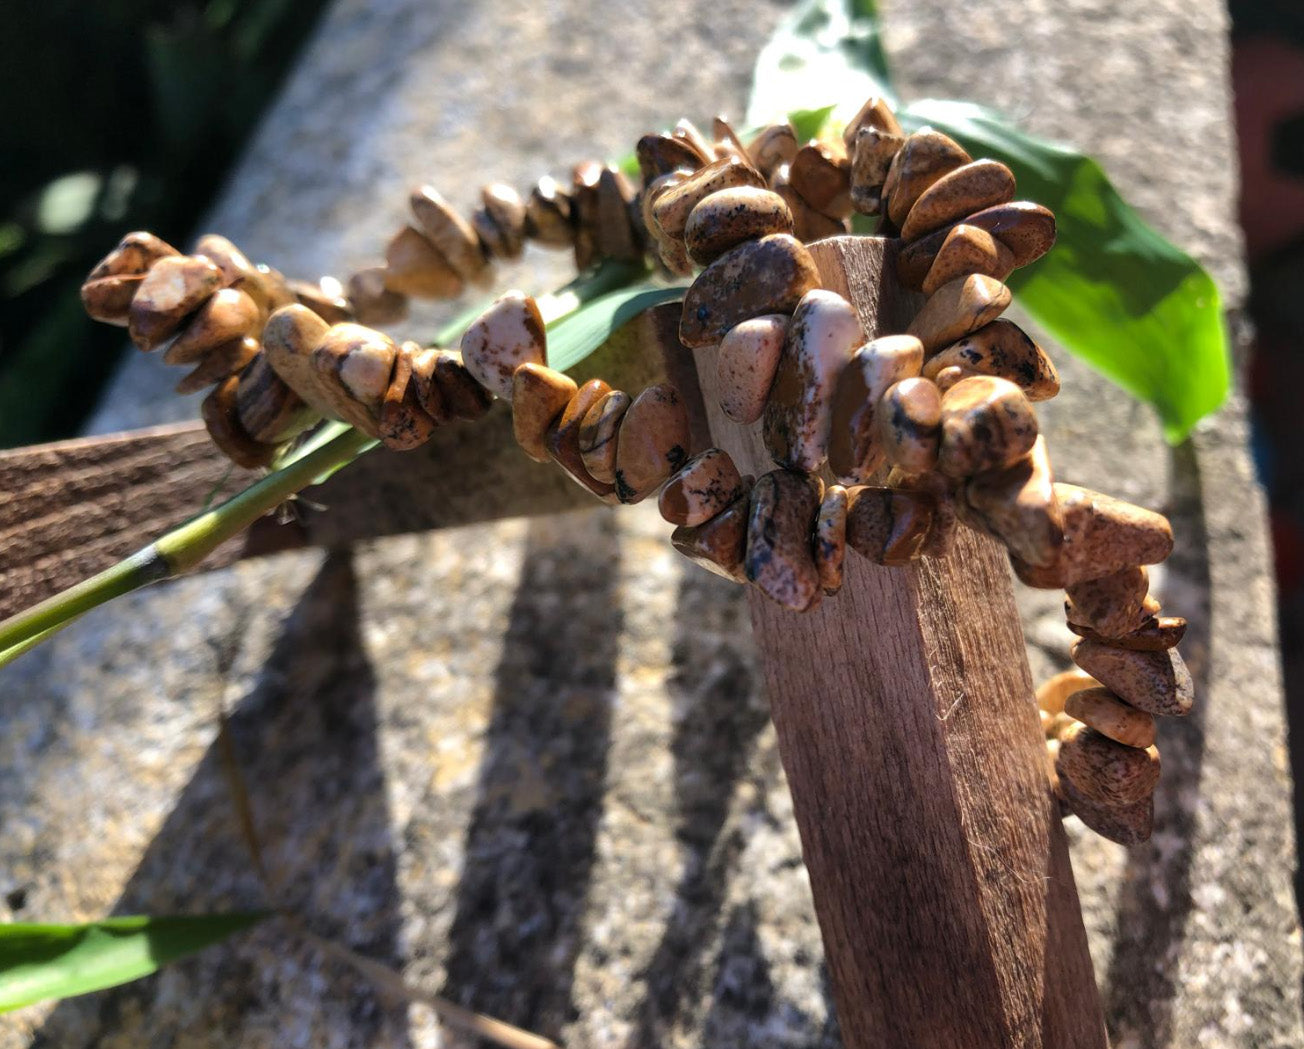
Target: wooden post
908,730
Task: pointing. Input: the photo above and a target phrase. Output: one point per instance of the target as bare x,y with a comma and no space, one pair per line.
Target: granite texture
530,764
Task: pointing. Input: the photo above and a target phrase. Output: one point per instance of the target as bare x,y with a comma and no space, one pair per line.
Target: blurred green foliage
117,115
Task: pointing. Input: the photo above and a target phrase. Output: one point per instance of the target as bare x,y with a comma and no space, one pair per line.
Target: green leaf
807,123
1113,291
38,962
578,335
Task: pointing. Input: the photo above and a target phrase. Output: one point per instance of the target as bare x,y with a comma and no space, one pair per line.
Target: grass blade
579,334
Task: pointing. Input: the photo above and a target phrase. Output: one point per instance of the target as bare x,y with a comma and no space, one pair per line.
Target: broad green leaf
578,335
38,962
1112,290
807,123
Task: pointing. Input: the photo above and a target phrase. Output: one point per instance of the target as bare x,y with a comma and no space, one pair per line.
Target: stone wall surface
530,764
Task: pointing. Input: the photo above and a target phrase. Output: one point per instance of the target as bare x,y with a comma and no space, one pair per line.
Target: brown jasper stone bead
1156,682
1130,824
958,308
942,490
653,442
548,214
909,422
289,337
414,266
1105,770
584,194
227,314
659,154
855,450
354,366
925,157
563,437
987,424
132,256
875,115
769,275
830,540
1054,692
1112,605
599,435
429,397
227,358
728,218
726,140
1004,350
720,544
746,362
808,224
824,333
174,288
464,398
493,241
1110,716
872,153
222,421
772,147
268,410
108,299
1101,535
325,299
821,173
404,424
674,204
505,207
451,235
889,526
508,334
970,188
615,233
1026,229
238,272
701,488
1017,505
966,250
539,396
687,131
1154,635
779,557
371,301
275,285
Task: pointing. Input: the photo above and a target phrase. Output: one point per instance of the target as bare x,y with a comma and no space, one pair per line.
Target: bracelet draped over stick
884,446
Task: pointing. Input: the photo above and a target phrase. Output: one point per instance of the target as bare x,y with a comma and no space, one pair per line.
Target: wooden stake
908,730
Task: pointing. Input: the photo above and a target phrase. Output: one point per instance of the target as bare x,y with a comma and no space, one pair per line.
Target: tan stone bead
463,397
660,154
1112,605
108,299
871,158
966,250
584,195
875,115
548,214
1002,349
1017,505
504,206
772,147
371,301
225,315
600,435
821,173
1154,635
726,140
855,451
1027,229
1130,824
672,207
615,233
987,424
403,423
539,396
889,526
830,540
653,442
779,557
226,358
720,544
1053,693
505,336
132,256
325,299
807,223
731,216
268,410
1101,535
451,235
909,423
563,438
824,333
958,308
1105,770
746,363
925,157
275,286
701,488
354,365
174,288
222,421
687,131
942,531
968,189
1110,716
239,273
289,337
1156,682
493,240
429,398
763,276
415,267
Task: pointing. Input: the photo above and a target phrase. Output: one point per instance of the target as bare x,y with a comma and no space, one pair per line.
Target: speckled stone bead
108,299
875,113
226,358
1130,824
872,153
404,425
942,531
779,557
1105,770
258,282
731,216
415,267
769,275
1154,635
1107,714
1053,693
1156,682
660,154
616,238
221,419
701,488
451,235
429,397
673,206
174,287
563,438
1101,535
726,140
1017,505
539,395
773,147
504,206
371,301
987,424
1026,229
889,526
463,397
508,334
830,539
824,333
720,544
269,411
225,315
354,366
1004,350
908,419
133,255
969,188
325,298
855,450
746,363
966,250
600,433
548,214
808,224
821,173
584,195
1114,604
958,308
925,157
289,337
653,442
